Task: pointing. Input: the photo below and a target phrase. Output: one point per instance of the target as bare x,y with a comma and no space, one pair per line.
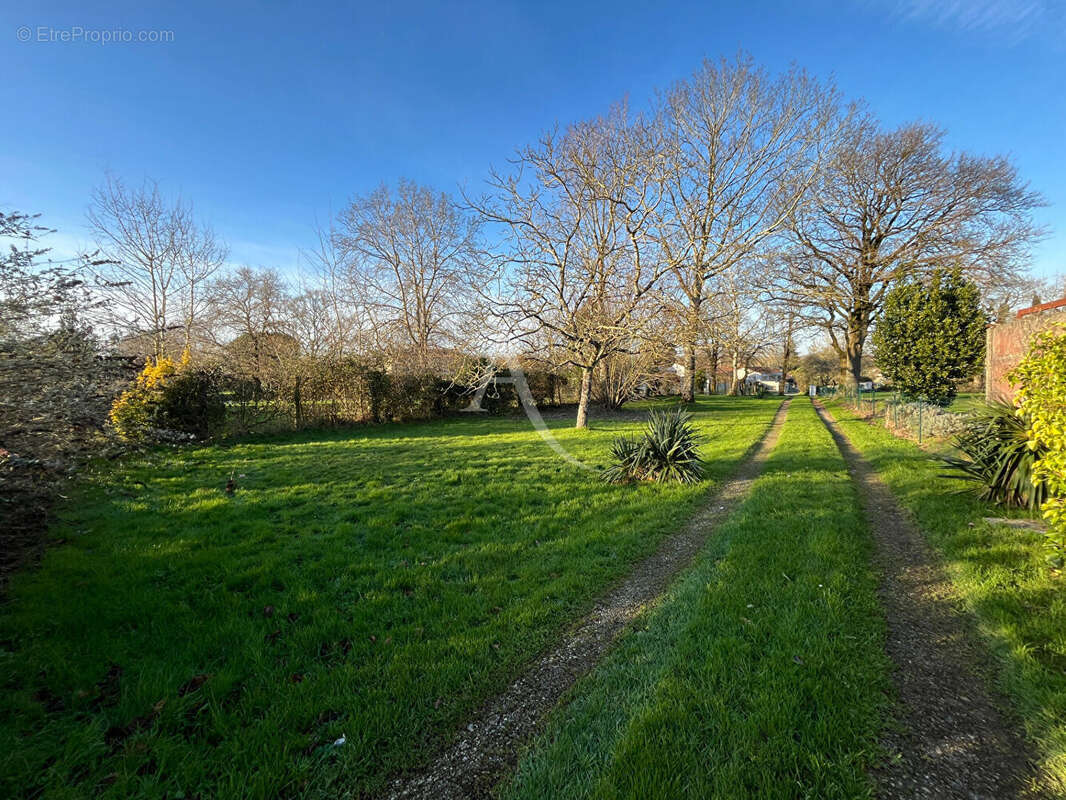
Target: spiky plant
625,455
666,453
997,457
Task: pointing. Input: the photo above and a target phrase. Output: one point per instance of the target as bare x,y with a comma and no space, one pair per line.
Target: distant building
769,378
1008,342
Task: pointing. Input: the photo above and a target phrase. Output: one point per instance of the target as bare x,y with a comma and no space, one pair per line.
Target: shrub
500,396
935,421
626,460
1042,398
135,411
545,386
931,335
996,456
412,396
667,452
170,401
192,402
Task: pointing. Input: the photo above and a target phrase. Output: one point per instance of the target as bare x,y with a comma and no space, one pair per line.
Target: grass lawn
1020,606
967,401
377,582
762,673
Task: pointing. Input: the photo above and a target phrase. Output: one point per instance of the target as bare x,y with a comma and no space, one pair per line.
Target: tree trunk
713,361
854,363
734,387
297,403
583,398
853,351
858,327
688,383
787,350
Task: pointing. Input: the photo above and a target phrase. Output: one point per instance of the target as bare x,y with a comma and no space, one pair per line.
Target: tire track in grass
761,674
472,765
951,740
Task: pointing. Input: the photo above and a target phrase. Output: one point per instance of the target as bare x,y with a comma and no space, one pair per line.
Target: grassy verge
965,402
762,673
377,583
1019,605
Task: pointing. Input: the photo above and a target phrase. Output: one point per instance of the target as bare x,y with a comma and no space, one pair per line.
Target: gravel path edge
950,738
487,747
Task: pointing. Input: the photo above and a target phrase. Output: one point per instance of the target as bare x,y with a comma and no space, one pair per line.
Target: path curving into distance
950,739
488,746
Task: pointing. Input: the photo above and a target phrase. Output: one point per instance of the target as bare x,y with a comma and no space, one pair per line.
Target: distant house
769,378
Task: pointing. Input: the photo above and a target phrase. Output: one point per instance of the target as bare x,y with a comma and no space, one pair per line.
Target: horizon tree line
738,212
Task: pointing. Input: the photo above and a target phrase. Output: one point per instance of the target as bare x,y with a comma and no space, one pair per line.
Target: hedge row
175,401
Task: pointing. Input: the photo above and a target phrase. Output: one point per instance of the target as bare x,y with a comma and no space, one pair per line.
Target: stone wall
1008,342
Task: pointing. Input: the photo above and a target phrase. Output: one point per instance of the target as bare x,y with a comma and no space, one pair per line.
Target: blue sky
270,115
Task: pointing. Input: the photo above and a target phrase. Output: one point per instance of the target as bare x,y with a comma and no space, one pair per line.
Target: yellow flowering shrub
1042,396
133,413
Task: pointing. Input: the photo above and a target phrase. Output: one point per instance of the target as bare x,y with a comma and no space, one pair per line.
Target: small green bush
666,453
931,335
192,402
134,414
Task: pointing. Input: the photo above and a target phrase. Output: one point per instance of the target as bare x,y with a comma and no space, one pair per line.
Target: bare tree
199,256
1006,296
575,218
329,282
644,363
158,259
893,204
742,327
414,261
788,344
819,367
249,315
740,152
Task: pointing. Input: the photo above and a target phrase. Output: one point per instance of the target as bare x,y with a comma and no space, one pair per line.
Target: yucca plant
666,453
625,457
997,457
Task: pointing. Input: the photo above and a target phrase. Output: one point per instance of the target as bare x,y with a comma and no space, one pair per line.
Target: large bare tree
741,326
250,314
740,150
414,261
575,217
893,204
158,260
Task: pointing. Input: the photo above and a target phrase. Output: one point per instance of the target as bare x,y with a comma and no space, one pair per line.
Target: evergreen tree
931,334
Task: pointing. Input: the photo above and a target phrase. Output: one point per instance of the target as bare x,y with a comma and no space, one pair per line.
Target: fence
912,417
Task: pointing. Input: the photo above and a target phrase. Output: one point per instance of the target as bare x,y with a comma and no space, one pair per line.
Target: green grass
967,401
377,582
761,674
999,571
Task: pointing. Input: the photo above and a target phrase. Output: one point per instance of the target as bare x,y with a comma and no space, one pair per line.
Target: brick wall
1008,342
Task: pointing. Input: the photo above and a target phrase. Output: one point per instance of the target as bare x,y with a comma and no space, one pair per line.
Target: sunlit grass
1020,605
965,402
761,674
377,582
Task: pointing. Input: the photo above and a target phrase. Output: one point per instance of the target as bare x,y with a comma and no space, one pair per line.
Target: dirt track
950,739
488,746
